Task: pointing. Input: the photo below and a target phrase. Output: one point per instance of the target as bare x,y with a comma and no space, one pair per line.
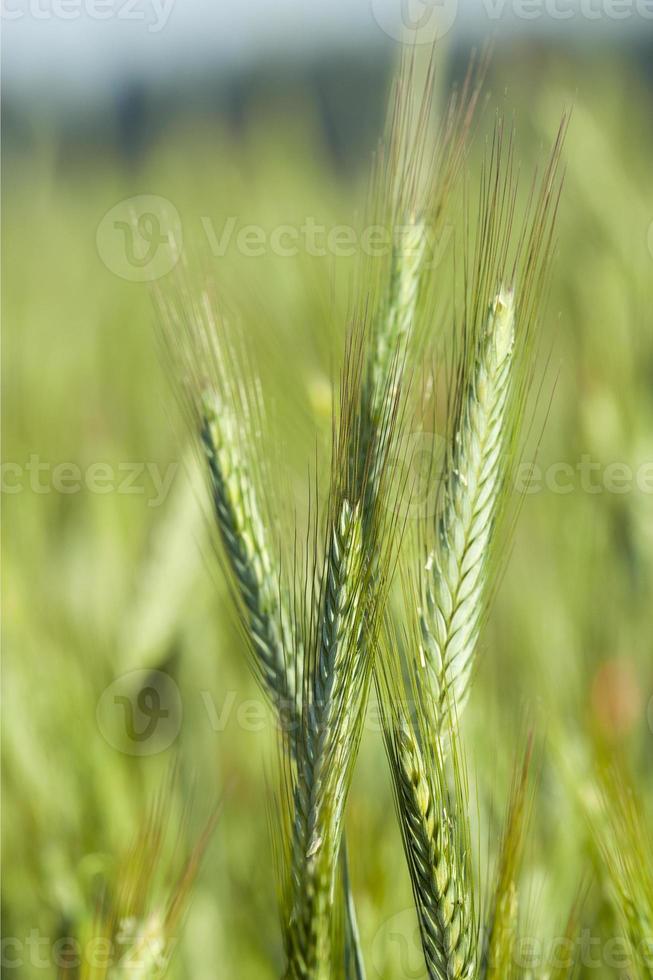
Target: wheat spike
443,895
245,544
412,195
504,911
414,179
625,849
136,924
456,567
392,336
339,645
220,398
332,718
434,826
278,650
507,272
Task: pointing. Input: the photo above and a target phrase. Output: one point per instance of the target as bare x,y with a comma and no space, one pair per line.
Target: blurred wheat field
113,589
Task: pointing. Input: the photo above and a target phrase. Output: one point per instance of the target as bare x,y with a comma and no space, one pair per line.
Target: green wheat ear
338,625
245,541
222,404
211,391
360,527
625,847
136,926
455,572
565,967
324,754
431,800
412,188
493,365
502,925
427,666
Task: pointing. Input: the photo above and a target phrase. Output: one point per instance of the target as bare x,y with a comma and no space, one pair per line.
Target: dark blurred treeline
346,91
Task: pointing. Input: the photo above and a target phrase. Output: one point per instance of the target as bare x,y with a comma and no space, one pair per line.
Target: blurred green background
110,580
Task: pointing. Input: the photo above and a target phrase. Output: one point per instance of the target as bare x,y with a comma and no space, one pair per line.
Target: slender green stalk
565,956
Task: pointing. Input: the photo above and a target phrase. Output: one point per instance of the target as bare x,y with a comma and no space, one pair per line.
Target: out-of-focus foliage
112,592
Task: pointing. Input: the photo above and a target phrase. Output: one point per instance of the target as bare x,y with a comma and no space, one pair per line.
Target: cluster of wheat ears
369,600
